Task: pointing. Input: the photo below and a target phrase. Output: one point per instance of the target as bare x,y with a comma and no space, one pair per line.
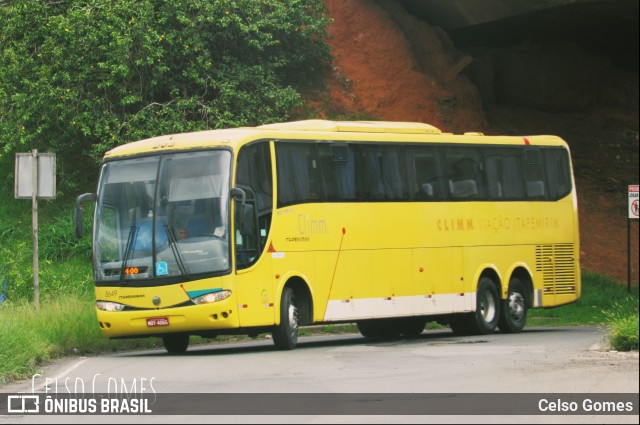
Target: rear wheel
285,335
513,314
176,344
485,319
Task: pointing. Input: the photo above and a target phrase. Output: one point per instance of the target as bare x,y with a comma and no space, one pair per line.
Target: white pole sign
35,179
46,175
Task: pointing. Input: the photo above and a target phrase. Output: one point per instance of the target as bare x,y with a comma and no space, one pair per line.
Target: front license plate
152,322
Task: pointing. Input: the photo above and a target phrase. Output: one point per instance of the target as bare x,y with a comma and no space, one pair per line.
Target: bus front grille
556,262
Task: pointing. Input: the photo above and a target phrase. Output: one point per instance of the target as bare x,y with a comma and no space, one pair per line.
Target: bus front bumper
205,317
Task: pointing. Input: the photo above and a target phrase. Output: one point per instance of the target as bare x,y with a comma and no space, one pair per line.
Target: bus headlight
212,297
109,306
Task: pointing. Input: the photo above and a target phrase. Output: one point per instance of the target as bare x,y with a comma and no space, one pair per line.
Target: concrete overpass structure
605,26
457,14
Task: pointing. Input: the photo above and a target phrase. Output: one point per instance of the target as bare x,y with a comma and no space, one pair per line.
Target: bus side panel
256,294
398,282
376,283
438,280
387,291
327,270
355,292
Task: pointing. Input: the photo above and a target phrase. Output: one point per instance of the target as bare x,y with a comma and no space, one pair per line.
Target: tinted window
337,167
558,172
534,175
504,173
465,172
425,178
298,177
342,171
380,173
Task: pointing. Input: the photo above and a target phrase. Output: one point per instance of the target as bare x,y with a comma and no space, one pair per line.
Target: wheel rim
293,321
487,307
516,306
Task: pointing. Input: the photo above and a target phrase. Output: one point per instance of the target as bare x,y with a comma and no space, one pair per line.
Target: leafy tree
80,77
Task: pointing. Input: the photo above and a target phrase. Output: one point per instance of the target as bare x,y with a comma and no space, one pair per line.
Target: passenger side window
534,175
424,173
337,166
298,176
380,173
504,176
557,165
465,172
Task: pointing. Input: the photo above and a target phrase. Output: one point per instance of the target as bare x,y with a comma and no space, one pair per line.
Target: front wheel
176,344
285,335
513,313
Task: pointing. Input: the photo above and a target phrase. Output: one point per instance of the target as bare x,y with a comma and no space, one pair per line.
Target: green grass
65,325
600,297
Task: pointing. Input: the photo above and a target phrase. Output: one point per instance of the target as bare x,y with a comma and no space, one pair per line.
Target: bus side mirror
78,216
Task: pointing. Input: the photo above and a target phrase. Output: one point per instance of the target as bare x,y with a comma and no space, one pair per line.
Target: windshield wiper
176,252
133,235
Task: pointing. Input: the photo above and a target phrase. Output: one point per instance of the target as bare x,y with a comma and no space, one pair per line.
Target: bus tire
285,335
513,314
379,329
176,343
485,319
412,327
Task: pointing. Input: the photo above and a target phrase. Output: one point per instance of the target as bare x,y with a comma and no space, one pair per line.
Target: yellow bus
385,224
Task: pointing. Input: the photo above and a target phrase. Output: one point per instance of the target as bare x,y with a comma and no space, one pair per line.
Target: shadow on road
430,337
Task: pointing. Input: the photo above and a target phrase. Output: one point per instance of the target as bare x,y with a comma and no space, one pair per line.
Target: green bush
623,329
79,77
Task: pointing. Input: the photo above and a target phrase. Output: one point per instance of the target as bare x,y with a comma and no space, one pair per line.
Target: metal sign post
633,214
35,178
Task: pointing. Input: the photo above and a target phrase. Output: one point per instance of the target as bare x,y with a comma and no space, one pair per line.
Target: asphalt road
543,361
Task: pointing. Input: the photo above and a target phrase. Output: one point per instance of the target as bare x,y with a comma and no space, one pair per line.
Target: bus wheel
487,308
485,319
176,344
379,329
513,313
412,327
285,335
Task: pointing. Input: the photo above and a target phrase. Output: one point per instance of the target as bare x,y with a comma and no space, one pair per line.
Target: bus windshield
163,216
